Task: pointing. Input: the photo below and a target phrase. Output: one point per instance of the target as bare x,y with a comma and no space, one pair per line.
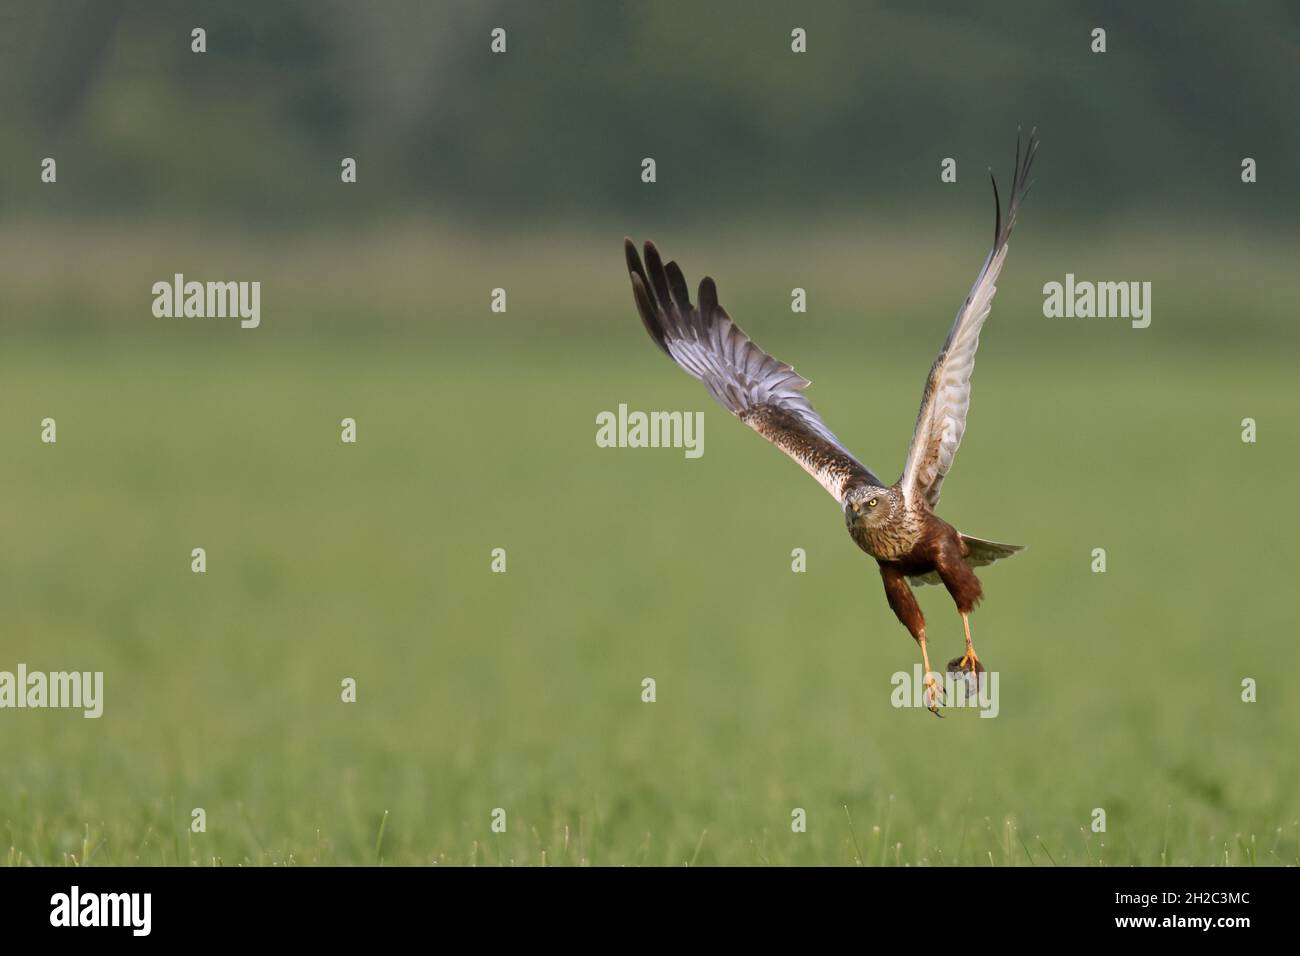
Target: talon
968,661
967,665
934,695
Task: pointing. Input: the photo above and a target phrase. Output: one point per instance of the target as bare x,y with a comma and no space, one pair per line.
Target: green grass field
522,690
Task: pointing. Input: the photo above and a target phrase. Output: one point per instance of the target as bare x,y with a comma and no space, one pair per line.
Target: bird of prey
895,524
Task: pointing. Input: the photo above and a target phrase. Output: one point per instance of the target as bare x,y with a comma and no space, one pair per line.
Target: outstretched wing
763,393
946,400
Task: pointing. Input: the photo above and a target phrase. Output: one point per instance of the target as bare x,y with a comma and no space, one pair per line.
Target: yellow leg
970,660
933,689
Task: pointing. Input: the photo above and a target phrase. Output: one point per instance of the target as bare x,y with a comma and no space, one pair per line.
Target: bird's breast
889,541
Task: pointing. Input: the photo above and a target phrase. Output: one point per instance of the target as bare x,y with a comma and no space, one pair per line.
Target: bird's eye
873,502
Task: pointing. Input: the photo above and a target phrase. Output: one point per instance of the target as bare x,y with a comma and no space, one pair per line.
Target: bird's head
869,506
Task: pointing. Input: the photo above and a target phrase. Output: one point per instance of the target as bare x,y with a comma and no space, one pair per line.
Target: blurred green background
476,431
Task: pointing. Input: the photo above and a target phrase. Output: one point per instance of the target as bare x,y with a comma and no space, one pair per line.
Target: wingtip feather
708,296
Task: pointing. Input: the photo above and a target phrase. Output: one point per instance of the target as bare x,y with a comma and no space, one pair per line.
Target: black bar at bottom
335,905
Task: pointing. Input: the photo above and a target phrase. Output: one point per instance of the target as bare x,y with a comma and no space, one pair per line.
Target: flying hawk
895,524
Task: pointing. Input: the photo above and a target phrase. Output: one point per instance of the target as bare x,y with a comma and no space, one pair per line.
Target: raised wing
946,400
767,395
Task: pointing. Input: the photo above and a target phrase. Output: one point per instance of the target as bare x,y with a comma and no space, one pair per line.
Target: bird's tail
979,553
986,552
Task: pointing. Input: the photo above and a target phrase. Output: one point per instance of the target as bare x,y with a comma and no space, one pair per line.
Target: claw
934,695
969,666
968,661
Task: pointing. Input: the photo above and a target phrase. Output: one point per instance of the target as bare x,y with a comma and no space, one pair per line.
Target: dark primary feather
1020,185
763,392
